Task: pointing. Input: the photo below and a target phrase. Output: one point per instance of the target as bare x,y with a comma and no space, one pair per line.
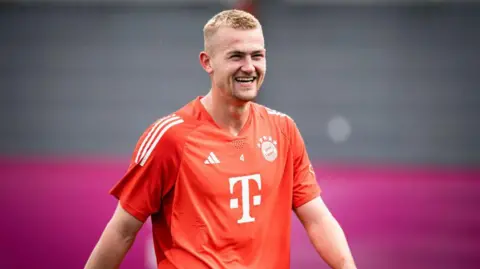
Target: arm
325,234
323,230
115,241
151,173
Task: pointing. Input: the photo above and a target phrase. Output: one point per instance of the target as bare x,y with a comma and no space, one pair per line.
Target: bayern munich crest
268,146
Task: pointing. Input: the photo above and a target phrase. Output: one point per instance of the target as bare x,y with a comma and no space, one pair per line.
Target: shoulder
277,118
165,137
269,113
174,127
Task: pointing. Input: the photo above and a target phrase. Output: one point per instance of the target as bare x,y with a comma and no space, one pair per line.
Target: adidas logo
212,159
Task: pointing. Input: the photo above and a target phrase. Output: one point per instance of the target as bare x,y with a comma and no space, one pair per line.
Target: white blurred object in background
339,129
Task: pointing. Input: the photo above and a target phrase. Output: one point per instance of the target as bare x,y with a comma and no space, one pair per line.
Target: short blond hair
232,18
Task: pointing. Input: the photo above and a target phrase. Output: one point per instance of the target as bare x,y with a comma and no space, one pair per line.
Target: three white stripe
152,138
274,112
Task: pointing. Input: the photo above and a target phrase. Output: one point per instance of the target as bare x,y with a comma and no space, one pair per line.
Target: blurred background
385,93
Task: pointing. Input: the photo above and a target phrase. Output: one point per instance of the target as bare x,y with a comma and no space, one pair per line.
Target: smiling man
220,176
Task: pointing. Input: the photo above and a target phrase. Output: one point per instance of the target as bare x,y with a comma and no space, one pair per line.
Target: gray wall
89,80
405,78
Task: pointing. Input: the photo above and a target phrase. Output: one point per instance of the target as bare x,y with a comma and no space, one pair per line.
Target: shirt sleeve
305,185
153,168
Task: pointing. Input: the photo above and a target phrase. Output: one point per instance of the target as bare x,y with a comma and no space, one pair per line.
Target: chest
216,165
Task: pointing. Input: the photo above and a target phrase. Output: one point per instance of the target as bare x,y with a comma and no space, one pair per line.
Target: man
220,176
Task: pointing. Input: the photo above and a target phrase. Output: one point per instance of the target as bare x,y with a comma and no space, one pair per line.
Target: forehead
229,39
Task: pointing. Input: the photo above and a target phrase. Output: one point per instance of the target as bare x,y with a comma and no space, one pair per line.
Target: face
236,62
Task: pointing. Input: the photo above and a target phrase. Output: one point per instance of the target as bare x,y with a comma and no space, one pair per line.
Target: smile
245,79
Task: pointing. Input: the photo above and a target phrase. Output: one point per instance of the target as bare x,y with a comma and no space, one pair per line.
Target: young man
220,176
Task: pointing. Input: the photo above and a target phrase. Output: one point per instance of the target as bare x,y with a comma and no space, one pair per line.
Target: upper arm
124,223
313,211
305,186
152,171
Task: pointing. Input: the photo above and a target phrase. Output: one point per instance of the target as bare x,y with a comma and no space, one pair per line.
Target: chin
246,95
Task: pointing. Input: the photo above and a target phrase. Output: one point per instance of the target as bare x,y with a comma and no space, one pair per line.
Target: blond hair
232,18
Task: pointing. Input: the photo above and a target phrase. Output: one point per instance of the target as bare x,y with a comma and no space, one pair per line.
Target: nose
247,66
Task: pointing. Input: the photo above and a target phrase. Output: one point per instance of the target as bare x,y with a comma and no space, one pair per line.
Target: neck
227,113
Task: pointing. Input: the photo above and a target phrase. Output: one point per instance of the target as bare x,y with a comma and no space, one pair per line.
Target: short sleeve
305,185
153,168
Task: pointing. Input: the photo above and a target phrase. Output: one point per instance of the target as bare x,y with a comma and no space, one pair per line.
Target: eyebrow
243,53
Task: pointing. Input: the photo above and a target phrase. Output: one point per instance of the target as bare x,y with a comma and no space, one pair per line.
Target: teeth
245,79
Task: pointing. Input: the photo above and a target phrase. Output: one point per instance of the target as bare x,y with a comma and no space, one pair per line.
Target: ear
205,62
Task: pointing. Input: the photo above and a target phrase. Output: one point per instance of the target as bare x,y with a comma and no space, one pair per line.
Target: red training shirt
218,200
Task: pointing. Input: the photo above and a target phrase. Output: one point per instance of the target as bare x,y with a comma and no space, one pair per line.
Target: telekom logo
245,195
